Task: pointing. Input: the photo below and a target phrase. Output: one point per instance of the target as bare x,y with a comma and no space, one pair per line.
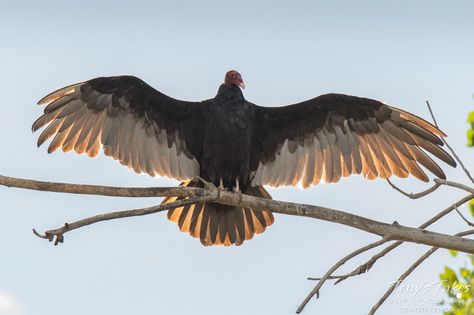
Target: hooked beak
241,84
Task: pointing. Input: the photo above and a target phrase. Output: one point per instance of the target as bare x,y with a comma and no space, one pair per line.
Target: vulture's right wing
134,123
336,135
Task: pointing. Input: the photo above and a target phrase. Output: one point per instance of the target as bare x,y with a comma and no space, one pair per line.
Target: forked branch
58,234
385,230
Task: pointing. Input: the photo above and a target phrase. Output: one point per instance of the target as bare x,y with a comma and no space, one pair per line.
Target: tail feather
216,224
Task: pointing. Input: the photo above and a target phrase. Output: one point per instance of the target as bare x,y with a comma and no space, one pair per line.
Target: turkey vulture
237,145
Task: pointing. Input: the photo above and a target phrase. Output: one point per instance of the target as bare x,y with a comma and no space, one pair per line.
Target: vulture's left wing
137,125
335,135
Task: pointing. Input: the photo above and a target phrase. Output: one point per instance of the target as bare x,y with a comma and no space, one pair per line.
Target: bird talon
206,183
237,185
211,186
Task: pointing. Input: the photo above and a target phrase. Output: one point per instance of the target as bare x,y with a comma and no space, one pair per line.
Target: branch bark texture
393,231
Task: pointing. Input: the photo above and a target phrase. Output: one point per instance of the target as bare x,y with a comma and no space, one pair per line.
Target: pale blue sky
403,52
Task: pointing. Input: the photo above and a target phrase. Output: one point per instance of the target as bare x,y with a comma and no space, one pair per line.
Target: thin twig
454,184
369,264
415,195
409,271
449,147
328,274
58,234
363,268
464,218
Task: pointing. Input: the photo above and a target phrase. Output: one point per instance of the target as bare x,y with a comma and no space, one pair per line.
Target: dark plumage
236,144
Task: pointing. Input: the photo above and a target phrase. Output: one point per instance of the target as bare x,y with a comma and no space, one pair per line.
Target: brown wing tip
419,121
51,97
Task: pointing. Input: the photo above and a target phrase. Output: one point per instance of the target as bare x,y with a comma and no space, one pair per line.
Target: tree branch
415,195
328,274
388,231
449,147
454,184
469,223
58,234
110,191
365,267
415,265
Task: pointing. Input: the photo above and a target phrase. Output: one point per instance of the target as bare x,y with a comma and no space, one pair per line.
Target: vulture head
233,78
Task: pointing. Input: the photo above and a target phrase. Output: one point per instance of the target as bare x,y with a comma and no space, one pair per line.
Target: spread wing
335,135
134,123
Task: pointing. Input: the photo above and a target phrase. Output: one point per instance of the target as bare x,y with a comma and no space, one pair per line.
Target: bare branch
415,195
438,183
110,191
454,184
449,147
464,218
368,265
388,231
363,268
58,234
418,262
328,274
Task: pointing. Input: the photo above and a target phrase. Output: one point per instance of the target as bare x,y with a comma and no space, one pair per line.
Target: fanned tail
216,224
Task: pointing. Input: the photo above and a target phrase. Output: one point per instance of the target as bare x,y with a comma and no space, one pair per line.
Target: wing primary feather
355,150
396,165
346,149
435,150
378,156
319,160
309,162
418,121
427,162
49,131
398,132
84,133
43,120
58,140
412,166
58,104
335,157
327,156
419,131
366,153
68,90
70,108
